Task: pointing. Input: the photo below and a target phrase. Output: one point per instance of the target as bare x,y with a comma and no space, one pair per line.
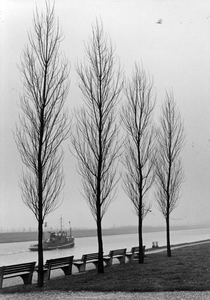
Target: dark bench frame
63,263
118,253
24,270
89,258
134,253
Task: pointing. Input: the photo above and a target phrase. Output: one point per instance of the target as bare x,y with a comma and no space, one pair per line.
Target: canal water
11,253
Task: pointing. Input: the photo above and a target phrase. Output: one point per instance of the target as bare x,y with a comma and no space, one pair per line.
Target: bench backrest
90,256
54,262
19,268
117,252
136,249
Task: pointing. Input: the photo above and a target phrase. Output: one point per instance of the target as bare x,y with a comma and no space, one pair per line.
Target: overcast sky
176,53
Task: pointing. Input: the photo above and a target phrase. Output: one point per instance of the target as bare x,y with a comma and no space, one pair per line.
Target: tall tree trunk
40,254
168,236
100,246
168,205
40,216
99,227
141,254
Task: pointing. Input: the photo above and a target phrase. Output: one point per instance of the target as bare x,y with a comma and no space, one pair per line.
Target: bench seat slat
14,275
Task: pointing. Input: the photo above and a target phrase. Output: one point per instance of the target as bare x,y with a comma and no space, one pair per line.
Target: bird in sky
159,21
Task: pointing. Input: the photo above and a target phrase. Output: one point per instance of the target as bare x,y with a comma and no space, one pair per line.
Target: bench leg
67,270
27,278
47,274
121,260
130,258
1,281
108,262
81,268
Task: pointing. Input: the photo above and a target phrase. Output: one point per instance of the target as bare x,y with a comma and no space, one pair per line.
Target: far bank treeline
11,237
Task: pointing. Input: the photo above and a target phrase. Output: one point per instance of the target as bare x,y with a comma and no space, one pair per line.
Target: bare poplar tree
168,167
139,145
44,122
95,138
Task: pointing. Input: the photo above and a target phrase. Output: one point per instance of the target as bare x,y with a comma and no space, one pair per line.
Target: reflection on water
12,253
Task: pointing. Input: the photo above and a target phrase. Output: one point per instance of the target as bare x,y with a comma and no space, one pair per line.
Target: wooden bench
89,258
134,253
118,253
63,263
25,271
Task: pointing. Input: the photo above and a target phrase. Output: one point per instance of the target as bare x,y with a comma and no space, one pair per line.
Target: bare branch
95,138
137,120
170,140
168,167
139,144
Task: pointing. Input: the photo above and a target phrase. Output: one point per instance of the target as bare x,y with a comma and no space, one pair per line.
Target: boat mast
70,228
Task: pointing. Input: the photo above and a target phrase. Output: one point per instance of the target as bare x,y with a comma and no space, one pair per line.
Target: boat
56,240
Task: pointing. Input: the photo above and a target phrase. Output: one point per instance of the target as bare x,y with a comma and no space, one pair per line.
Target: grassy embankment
187,269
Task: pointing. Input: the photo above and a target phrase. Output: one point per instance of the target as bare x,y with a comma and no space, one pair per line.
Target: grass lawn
187,269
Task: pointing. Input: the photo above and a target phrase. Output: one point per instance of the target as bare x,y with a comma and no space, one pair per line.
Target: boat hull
50,246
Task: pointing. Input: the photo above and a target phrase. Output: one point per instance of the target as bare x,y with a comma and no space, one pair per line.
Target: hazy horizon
145,227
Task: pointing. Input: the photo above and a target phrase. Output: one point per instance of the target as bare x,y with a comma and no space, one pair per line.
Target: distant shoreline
15,237
174,246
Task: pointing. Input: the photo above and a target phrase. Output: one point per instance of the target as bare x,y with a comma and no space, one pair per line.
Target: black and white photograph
105,149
